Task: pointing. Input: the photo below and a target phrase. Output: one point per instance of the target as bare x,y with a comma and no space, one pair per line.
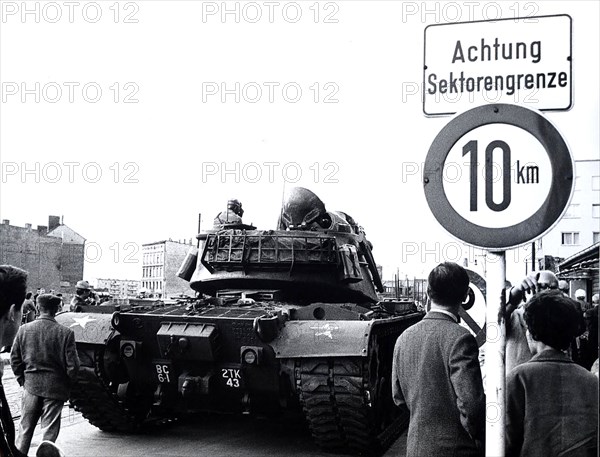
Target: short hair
13,286
448,284
49,302
553,319
28,296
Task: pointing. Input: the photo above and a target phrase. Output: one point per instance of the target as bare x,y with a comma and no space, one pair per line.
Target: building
160,262
580,225
581,270
53,255
119,288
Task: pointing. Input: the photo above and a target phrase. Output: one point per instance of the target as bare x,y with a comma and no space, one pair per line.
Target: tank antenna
282,201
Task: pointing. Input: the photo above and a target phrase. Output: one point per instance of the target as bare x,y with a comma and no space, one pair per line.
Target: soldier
84,296
232,215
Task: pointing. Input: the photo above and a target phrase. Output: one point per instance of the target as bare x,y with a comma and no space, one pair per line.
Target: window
596,211
573,211
595,237
570,238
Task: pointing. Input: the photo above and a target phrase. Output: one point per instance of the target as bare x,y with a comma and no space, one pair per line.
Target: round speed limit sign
498,176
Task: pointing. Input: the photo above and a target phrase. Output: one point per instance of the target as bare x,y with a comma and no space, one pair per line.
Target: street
217,436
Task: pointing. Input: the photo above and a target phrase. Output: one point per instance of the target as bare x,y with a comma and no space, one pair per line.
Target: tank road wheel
348,401
95,395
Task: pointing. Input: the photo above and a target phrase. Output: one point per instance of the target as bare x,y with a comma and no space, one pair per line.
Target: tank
283,320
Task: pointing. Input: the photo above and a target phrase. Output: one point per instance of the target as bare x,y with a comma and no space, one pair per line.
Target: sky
128,119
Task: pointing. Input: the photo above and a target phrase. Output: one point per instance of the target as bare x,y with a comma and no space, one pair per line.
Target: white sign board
498,176
523,61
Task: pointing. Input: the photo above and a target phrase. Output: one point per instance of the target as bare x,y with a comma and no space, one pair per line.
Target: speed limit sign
498,176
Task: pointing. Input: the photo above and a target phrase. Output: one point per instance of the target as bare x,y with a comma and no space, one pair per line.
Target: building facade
119,288
160,262
580,225
53,255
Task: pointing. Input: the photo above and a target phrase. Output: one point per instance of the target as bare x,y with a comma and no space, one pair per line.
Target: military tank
284,319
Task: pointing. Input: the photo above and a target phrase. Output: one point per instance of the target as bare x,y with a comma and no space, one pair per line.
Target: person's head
546,280
563,286
595,299
448,285
235,206
580,294
83,288
552,319
28,296
49,304
13,286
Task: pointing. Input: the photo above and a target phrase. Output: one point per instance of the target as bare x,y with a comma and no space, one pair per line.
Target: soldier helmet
235,206
83,285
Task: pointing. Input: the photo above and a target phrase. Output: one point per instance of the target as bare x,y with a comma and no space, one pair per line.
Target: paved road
214,436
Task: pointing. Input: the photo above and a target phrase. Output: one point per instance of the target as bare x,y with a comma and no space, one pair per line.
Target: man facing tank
436,374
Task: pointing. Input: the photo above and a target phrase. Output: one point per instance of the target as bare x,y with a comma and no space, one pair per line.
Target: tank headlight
127,350
249,357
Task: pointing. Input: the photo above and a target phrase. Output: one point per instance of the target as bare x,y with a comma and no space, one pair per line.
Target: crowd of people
44,360
551,394
551,356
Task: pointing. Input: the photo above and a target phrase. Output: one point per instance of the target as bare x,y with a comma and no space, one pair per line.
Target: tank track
348,407
93,397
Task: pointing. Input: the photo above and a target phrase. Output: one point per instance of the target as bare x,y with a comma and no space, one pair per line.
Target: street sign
498,176
525,61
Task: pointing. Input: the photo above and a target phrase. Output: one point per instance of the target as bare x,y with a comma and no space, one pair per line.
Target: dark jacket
436,374
7,429
551,408
44,358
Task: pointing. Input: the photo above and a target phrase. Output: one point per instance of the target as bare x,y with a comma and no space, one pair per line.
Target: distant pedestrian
564,287
45,363
551,402
29,309
13,285
436,374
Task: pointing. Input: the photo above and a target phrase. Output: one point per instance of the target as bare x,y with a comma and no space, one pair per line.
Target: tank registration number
232,377
163,372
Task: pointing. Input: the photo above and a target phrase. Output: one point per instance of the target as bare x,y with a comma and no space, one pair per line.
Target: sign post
497,177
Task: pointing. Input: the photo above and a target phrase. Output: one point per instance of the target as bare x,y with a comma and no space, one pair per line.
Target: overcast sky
339,111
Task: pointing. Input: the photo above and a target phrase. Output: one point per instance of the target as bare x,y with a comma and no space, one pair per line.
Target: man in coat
13,285
551,402
45,363
436,374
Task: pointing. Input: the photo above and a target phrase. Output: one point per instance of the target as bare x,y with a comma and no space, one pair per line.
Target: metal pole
494,356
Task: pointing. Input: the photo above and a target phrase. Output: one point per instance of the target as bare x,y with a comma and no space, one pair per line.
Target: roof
590,253
67,234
